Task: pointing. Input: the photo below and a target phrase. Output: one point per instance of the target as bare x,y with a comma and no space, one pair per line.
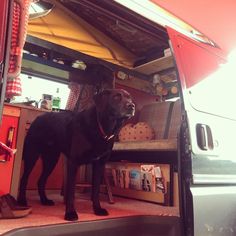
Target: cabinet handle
9,143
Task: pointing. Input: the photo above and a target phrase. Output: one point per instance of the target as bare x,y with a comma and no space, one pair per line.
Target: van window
34,87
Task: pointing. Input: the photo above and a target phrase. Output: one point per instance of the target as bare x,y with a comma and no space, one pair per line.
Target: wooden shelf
140,195
151,145
157,65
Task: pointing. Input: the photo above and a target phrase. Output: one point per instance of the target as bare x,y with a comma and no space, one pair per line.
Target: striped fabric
18,36
73,96
13,87
86,98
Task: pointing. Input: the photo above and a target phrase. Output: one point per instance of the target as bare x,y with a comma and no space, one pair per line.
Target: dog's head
117,103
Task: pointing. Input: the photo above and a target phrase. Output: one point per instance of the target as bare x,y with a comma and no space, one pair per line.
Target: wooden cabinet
27,116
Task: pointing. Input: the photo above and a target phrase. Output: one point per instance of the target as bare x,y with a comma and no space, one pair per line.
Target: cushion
141,131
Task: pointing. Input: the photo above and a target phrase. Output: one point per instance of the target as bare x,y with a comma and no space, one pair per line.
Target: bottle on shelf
56,101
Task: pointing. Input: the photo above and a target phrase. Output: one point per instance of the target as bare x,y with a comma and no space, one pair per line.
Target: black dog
84,137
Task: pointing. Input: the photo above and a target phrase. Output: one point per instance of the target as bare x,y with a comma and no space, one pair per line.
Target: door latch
204,137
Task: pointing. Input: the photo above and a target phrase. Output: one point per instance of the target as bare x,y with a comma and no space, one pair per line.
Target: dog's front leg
70,213
98,172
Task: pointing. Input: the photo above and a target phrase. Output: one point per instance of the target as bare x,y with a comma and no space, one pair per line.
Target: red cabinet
8,127
19,118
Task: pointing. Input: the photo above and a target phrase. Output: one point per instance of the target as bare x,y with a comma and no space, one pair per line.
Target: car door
208,153
5,14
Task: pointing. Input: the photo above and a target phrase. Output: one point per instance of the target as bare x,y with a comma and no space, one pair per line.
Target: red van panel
195,60
7,167
3,21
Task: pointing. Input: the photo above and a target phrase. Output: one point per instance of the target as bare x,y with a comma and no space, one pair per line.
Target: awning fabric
64,28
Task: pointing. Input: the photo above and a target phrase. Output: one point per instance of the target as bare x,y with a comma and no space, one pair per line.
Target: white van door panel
207,83
214,211
208,100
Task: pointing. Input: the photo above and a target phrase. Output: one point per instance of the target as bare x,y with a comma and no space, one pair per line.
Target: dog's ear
101,99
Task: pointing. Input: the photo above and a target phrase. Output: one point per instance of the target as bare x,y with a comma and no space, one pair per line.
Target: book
159,180
147,178
135,179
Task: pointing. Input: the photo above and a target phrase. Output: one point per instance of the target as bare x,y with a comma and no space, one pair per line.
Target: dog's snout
130,105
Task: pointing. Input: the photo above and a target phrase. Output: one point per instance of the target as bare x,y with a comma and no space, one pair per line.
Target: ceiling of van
141,39
103,29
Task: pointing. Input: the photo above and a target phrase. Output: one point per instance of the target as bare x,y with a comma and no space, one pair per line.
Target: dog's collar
103,133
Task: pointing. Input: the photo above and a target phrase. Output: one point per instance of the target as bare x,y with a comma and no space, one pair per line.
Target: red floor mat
44,215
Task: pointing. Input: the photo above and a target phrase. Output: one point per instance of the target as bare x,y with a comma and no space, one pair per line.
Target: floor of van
48,215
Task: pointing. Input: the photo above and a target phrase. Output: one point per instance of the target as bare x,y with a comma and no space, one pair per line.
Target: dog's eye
117,97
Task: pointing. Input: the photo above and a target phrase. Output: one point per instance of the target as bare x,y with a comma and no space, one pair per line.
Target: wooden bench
165,119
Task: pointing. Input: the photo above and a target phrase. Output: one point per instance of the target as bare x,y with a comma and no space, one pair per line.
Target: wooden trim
27,116
140,195
151,145
11,111
84,57
18,157
155,66
135,83
87,185
35,66
176,190
49,70
22,106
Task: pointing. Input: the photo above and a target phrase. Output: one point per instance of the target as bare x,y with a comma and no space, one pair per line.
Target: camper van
172,169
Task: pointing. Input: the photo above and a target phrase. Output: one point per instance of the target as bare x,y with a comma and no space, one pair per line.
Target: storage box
149,182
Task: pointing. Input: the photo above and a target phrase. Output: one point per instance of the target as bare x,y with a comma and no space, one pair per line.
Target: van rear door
208,153
4,47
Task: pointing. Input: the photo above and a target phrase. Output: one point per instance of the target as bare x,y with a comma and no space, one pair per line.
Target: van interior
142,177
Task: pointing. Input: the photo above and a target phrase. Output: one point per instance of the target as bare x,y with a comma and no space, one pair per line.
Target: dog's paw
71,216
47,202
100,212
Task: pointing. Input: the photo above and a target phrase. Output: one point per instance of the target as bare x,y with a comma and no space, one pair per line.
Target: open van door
5,46
207,153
